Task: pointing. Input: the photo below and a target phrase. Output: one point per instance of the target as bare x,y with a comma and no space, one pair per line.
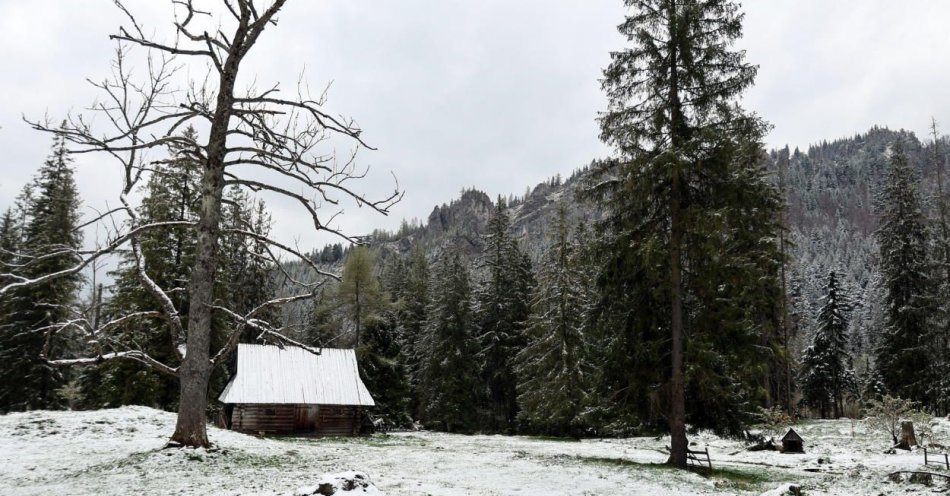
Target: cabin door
304,418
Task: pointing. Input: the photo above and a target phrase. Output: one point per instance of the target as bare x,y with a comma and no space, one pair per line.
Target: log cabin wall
263,418
336,420
322,420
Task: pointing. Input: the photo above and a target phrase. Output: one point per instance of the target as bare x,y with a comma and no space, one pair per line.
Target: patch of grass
734,478
375,440
261,461
724,477
133,460
621,462
555,439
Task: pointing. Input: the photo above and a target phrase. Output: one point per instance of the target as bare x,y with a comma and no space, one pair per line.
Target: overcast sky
496,94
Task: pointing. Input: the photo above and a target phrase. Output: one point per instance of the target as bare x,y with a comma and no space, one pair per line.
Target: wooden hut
792,442
293,390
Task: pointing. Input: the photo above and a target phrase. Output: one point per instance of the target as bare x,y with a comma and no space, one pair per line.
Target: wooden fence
930,460
699,458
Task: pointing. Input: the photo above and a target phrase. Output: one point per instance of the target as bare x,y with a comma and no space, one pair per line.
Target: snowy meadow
119,451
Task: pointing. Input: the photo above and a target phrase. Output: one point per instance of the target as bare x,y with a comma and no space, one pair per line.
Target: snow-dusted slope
119,452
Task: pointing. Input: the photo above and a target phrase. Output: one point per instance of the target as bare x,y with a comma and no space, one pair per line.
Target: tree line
907,356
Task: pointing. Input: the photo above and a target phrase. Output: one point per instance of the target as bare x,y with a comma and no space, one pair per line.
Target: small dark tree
827,365
382,369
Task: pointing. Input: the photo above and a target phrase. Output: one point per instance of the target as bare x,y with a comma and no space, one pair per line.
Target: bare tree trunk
195,372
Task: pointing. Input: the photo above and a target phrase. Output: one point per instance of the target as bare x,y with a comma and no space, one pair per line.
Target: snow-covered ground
119,452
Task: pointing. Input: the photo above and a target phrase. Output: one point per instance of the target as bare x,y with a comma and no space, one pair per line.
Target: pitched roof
791,435
293,375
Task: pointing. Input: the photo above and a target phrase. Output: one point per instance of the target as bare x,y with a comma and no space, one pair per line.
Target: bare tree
258,140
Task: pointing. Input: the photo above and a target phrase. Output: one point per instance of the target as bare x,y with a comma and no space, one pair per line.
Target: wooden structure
292,390
699,458
930,459
792,442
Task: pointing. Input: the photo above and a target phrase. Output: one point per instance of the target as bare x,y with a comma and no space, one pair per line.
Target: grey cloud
497,94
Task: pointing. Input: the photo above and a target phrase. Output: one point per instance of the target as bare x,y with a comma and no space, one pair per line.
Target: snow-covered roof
293,375
791,435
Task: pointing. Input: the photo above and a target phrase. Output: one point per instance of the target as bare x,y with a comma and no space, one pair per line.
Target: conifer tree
554,372
502,304
827,372
686,191
247,275
170,194
49,228
244,280
9,247
903,351
382,369
322,328
940,352
359,294
450,388
413,312
393,278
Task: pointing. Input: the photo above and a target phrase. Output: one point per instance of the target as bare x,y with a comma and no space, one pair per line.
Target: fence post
946,459
925,456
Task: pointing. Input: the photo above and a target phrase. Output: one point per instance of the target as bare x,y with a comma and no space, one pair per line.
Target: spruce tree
827,372
554,369
413,308
246,278
940,227
689,221
450,387
382,369
170,194
502,304
9,248
49,231
903,350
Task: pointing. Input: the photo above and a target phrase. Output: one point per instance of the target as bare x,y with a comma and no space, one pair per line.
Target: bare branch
133,355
